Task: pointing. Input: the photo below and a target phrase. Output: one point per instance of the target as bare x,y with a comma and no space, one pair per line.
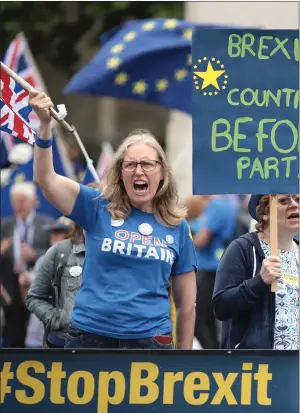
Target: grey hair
26,188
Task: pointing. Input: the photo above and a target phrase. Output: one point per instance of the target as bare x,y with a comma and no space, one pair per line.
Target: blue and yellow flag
147,60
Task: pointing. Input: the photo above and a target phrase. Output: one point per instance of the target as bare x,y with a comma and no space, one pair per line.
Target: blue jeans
77,338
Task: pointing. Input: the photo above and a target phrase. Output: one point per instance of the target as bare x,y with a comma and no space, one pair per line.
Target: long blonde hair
165,207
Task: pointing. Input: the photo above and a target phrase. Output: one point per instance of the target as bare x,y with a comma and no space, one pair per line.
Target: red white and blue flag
19,59
14,110
17,120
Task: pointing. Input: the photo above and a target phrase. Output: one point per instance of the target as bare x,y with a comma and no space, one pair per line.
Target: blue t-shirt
125,276
220,217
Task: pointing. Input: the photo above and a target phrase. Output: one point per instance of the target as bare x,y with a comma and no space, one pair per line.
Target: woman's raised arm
60,191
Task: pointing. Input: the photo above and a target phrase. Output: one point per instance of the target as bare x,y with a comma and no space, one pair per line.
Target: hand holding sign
270,270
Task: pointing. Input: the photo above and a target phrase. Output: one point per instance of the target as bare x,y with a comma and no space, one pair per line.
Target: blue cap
253,204
62,224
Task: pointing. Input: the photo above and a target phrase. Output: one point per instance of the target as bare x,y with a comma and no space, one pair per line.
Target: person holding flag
136,239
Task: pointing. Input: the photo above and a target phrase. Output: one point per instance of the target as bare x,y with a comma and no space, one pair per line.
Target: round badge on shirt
170,239
145,229
75,271
117,222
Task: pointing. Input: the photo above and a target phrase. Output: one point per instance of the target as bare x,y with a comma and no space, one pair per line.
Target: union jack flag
14,109
19,58
17,118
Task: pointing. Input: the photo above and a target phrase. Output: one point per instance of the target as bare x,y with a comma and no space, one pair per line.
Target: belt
55,340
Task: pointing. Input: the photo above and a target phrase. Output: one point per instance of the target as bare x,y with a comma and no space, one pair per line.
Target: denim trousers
77,338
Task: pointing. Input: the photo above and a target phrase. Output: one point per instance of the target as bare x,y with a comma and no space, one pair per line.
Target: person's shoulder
245,242
60,247
90,191
184,227
91,194
7,221
250,238
39,262
222,202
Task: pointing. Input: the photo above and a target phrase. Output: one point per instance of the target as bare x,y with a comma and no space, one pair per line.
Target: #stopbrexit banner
245,111
112,381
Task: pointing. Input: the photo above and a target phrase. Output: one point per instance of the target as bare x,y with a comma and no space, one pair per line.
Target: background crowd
214,222
30,226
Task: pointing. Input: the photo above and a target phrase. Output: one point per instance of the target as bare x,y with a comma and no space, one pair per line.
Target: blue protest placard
245,111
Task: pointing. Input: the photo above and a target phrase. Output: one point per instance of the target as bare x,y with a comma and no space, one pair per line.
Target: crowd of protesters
124,254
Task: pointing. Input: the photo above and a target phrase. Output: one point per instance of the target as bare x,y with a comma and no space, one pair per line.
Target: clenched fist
41,103
270,269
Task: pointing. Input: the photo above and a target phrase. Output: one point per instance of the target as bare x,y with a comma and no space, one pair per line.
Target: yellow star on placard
170,24
210,77
140,87
113,63
148,26
161,85
187,34
121,78
129,36
181,74
118,48
20,177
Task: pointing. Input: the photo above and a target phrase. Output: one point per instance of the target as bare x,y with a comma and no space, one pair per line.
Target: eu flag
148,60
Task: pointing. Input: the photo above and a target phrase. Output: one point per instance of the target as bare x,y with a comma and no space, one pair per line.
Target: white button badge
117,222
145,229
170,239
75,271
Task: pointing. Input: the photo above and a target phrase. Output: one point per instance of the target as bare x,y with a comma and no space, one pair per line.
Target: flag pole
89,161
57,116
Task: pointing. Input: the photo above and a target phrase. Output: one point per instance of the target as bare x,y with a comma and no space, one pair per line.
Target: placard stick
273,233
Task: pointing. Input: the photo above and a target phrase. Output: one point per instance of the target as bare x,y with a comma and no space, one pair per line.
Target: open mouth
293,216
140,186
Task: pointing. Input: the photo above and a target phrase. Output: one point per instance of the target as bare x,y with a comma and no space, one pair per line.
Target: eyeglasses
287,200
147,166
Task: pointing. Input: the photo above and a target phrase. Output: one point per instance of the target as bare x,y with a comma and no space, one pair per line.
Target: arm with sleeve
186,260
184,288
37,300
86,206
235,289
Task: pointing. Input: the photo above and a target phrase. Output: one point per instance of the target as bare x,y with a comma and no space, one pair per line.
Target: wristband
43,143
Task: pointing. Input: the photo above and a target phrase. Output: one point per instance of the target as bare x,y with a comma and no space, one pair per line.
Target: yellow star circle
210,76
